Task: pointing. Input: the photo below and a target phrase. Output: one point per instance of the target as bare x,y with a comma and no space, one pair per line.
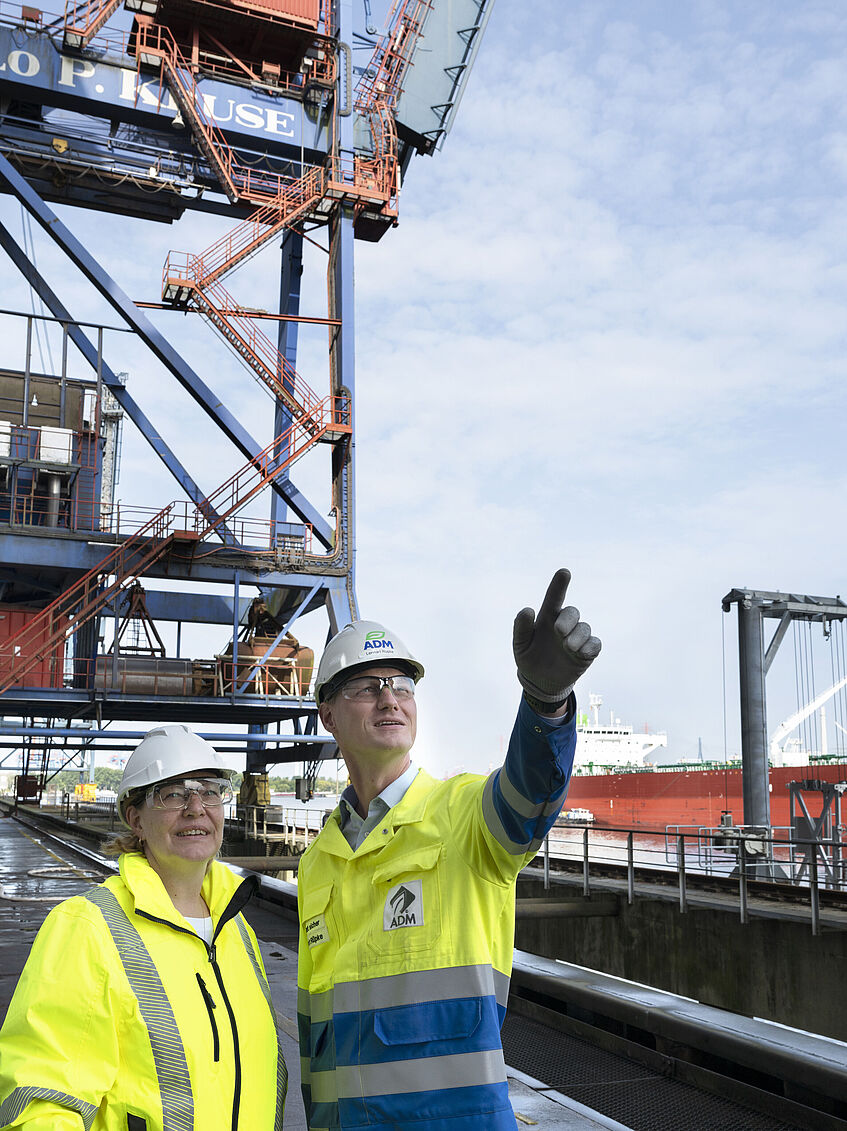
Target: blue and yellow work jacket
406,944
125,1020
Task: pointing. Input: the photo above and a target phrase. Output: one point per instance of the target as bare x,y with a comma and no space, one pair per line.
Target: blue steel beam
89,352
155,341
192,608
301,608
341,599
136,735
63,552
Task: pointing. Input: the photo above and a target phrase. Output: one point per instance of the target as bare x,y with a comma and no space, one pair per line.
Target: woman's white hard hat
362,644
167,752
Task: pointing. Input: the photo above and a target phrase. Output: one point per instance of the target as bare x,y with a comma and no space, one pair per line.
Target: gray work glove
553,649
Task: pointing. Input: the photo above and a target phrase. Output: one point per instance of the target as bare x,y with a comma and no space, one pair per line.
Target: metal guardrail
736,856
766,862
276,824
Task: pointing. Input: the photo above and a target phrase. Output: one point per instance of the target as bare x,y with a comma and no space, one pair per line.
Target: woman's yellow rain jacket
125,1020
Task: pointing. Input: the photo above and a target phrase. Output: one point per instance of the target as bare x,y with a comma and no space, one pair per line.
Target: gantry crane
281,129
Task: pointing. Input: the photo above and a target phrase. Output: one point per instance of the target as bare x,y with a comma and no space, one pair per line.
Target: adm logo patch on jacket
403,906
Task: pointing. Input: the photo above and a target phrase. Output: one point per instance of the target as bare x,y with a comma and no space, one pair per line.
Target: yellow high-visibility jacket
125,1020
406,945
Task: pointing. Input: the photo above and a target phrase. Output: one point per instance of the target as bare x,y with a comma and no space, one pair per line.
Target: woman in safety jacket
144,1004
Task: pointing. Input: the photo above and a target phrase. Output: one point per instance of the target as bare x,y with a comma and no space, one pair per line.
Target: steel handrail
251,234
213,301
51,626
332,414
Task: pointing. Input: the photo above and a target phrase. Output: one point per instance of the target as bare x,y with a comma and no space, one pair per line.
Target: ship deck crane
793,721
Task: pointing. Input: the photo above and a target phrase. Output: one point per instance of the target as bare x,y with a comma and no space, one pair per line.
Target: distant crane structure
252,109
755,659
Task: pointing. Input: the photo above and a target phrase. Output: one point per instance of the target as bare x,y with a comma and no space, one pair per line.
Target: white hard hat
360,645
166,752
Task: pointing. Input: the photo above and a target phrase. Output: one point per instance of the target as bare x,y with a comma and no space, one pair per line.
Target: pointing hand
553,649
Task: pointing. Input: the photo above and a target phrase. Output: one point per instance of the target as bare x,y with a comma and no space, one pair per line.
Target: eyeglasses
368,688
213,792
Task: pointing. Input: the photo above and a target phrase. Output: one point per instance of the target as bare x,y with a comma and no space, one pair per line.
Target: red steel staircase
83,21
182,287
329,420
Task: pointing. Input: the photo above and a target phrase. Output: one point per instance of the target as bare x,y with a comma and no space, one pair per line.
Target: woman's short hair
119,843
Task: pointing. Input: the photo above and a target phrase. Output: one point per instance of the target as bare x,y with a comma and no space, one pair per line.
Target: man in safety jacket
125,1018
407,896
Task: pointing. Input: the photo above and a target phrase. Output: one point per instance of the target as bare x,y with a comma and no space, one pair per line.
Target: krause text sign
109,90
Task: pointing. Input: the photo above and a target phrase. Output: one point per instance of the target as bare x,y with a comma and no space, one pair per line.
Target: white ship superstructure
612,744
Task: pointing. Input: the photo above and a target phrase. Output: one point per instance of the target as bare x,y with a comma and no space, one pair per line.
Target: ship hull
653,800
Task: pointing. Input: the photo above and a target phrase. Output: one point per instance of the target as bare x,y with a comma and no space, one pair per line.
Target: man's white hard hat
359,646
167,752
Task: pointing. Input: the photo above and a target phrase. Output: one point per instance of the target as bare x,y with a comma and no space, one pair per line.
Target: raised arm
552,650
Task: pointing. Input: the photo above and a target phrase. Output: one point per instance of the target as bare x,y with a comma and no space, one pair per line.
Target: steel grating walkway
622,1089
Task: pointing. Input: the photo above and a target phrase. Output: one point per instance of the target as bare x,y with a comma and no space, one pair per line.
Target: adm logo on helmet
362,642
378,642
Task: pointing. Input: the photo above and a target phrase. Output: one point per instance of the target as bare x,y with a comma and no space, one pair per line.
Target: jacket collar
411,808
149,893
407,811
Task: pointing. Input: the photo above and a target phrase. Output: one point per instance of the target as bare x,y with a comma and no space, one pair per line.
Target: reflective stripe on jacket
125,1020
406,945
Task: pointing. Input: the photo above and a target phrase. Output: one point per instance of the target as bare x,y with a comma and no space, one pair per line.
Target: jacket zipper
210,1005
236,1099
241,896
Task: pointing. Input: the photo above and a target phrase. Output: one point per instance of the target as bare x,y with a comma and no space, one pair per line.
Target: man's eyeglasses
368,688
213,792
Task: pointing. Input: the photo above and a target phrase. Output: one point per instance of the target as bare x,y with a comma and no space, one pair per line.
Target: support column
341,598
289,303
754,743
343,607
257,758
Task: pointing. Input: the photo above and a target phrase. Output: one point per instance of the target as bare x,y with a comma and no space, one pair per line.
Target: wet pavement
35,874
33,878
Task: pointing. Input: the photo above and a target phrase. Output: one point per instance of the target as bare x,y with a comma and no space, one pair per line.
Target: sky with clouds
608,333
614,317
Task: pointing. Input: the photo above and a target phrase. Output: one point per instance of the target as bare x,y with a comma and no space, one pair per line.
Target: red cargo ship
618,786
675,795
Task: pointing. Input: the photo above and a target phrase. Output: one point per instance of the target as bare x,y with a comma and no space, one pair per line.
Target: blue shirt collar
392,795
